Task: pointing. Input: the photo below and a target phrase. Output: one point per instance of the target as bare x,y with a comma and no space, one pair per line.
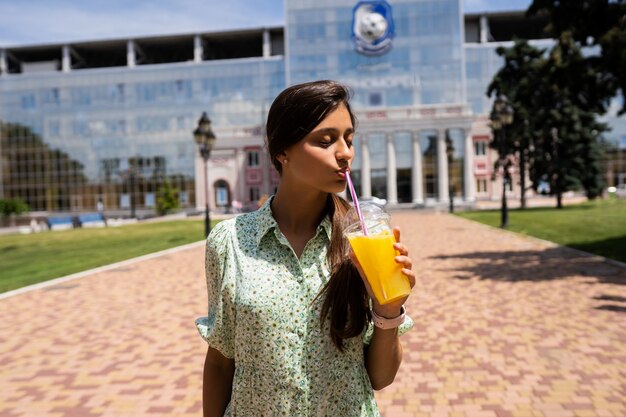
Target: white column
468,169
209,187
366,179
266,168
4,67
197,49
240,160
392,182
417,181
199,177
442,166
66,62
130,53
267,45
484,29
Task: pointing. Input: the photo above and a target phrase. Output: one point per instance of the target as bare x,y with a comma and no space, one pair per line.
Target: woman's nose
344,152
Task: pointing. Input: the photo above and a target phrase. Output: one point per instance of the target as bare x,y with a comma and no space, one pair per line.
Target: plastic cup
375,253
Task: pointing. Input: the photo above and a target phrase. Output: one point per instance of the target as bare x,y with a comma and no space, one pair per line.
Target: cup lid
372,214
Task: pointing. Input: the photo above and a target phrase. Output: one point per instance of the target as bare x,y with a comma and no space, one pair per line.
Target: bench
60,222
91,220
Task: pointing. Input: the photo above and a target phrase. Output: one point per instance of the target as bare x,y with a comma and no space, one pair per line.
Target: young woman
289,312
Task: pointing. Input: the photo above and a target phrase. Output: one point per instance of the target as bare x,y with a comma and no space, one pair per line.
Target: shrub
167,199
11,206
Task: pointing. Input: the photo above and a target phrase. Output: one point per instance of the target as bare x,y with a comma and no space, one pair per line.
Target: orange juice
376,256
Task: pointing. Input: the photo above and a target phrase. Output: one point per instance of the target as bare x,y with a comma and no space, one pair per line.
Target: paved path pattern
504,326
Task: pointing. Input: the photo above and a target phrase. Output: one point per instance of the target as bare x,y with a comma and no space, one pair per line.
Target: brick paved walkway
505,326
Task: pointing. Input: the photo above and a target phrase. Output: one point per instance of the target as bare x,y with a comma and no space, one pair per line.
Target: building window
183,197
77,202
428,143
120,127
54,128
118,95
253,158
255,194
376,99
480,148
124,200
222,198
50,97
149,199
481,185
28,101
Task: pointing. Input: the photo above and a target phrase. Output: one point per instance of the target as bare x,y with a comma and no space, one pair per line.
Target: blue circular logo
372,27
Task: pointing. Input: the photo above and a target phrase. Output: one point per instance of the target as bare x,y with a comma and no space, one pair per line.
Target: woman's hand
390,310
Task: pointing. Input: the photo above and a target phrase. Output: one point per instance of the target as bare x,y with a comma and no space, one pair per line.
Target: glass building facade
112,120
424,66
117,134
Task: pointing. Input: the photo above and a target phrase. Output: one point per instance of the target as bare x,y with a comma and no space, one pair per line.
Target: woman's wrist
387,313
388,322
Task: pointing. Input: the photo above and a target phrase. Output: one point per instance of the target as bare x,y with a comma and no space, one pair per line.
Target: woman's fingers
396,233
403,258
409,273
405,261
400,247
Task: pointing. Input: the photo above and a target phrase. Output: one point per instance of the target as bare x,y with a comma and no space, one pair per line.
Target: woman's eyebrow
332,130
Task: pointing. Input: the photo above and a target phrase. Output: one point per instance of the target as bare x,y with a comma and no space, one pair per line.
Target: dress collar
265,222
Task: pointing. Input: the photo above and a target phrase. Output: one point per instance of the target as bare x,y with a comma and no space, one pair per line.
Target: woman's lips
342,172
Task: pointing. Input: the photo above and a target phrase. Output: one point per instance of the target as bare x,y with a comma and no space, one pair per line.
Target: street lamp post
450,154
502,116
205,138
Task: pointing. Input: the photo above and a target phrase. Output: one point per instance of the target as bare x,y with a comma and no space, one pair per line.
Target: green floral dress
261,314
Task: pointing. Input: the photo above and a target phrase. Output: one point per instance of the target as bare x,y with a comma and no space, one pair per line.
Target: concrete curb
56,281
551,244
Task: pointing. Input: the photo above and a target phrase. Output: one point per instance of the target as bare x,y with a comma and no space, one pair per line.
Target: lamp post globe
205,139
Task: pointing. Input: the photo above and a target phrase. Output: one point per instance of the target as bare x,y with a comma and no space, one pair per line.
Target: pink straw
356,203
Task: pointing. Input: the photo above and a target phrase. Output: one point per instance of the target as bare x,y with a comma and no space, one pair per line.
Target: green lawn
29,259
597,226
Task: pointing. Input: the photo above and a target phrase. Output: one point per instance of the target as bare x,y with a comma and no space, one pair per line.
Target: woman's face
321,158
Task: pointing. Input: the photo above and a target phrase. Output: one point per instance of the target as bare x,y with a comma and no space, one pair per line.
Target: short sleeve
218,327
404,327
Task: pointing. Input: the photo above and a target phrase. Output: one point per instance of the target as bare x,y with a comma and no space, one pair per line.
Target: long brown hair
293,115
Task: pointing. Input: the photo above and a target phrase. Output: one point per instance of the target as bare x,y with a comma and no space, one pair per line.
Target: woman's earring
285,161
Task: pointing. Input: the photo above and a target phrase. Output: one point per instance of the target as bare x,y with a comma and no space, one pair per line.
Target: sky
33,22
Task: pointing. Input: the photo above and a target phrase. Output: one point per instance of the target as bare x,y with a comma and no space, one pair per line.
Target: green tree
42,176
567,143
613,45
599,23
518,80
11,206
167,198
